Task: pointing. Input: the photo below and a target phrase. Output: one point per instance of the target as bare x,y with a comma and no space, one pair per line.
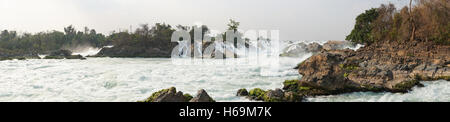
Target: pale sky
295,19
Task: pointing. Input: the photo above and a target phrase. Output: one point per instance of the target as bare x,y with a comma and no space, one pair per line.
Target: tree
233,25
361,33
411,18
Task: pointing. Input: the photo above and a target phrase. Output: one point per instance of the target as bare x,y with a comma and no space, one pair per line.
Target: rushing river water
132,79
128,79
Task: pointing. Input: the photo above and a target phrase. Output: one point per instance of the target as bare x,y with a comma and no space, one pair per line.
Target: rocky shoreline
387,66
57,54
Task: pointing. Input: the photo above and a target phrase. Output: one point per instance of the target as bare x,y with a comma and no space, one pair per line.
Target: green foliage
362,31
233,25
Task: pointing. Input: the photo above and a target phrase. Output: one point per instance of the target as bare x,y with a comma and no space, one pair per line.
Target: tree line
427,20
145,36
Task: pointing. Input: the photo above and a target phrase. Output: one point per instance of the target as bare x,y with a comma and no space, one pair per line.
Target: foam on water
125,79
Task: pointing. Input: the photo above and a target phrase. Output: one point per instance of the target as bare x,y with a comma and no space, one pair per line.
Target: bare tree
411,20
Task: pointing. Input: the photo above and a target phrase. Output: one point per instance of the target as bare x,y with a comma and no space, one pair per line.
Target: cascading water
88,51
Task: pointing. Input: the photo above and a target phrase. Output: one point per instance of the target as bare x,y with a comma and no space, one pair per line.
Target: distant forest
43,42
145,36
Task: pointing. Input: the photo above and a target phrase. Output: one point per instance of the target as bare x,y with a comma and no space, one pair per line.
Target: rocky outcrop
63,54
171,95
135,51
10,55
301,49
337,45
202,96
382,66
313,47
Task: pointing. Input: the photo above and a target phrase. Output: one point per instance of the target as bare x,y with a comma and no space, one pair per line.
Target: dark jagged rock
75,57
171,95
146,49
202,96
242,92
63,54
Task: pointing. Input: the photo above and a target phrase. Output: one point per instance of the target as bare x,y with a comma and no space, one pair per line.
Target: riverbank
387,66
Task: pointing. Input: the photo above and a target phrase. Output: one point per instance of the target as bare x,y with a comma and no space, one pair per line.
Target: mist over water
132,79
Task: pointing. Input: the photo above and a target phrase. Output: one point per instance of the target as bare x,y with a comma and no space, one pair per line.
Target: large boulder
322,70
